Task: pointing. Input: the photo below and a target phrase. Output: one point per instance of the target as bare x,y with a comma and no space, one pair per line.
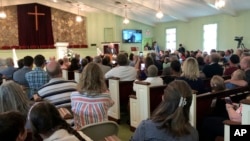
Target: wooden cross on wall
36,14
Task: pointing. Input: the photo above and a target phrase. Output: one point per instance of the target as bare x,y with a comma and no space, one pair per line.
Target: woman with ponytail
170,120
47,124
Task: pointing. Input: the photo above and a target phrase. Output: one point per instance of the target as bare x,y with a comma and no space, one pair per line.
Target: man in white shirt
123,70
111,49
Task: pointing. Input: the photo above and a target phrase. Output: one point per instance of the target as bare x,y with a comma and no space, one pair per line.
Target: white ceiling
144,10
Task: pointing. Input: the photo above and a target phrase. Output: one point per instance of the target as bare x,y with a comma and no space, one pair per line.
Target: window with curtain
209,37
171,39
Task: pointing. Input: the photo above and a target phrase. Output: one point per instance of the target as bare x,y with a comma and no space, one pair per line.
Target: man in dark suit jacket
214,68
111,49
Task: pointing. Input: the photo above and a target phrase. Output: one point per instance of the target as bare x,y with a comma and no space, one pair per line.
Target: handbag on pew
65,113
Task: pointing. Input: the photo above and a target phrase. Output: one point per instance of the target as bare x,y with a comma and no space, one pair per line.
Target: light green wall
96,22
190,33
47,53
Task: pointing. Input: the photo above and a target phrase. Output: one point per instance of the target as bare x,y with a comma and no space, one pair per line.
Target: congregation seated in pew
244,117
152,77
12,98
141,66
245,66
213,125
37,77
174,72
123,70
203,111
236,75
91,102
191,74
7,73
104,68
12,126
58,90
170,119
19,75
213,68
47,124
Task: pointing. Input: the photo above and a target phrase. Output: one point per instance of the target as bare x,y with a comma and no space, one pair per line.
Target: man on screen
131,38
111,49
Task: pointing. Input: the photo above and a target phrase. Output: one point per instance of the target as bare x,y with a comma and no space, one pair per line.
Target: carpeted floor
124,132
124,128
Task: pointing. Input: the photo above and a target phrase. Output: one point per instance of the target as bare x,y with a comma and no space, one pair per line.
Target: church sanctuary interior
58,28
102,21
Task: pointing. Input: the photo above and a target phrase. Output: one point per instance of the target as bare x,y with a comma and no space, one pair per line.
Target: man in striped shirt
57,91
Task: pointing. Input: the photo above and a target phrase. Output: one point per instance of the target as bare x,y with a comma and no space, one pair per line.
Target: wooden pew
204,100
120,91
68,75
245,120
144,102
168,78
77,76
200,108
65,74
206,81
201,105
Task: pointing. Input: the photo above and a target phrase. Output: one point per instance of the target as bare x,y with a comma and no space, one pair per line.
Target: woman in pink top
91,102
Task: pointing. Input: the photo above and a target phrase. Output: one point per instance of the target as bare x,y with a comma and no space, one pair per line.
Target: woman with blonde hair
191,74
217,83
91,102
170,120
12,98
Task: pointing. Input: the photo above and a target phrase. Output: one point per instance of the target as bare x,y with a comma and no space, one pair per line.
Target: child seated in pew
237,75
217,83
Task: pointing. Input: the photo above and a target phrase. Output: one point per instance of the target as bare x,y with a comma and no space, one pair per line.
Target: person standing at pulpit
111,49
156,48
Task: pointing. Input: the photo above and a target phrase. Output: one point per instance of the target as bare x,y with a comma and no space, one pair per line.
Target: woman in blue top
170,120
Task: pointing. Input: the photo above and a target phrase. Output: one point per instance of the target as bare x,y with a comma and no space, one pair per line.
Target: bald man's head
53,69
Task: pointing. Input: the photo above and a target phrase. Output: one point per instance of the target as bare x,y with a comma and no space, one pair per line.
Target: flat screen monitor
131,36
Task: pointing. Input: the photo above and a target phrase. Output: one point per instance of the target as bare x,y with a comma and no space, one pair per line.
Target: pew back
204,101
119,91
68,75
77,76
245,120
145,102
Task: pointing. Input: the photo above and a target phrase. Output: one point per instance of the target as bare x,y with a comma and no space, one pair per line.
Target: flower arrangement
69,54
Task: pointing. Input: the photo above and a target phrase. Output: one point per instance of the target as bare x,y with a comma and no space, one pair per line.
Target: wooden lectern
61,49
